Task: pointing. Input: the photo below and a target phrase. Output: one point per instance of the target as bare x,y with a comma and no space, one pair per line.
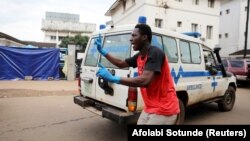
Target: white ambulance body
196,70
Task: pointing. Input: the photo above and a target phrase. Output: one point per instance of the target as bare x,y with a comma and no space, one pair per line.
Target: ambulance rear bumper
107,111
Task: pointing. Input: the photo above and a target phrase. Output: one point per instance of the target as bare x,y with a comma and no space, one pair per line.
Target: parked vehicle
195,82
240,68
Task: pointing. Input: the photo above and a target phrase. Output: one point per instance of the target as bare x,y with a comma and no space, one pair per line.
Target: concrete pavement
59,85
23,88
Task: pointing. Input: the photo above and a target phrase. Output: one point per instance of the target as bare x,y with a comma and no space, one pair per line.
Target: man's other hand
106,75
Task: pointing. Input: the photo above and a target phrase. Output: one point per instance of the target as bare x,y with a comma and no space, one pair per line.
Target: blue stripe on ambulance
185,74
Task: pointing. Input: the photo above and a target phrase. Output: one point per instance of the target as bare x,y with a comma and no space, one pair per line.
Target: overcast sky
22,19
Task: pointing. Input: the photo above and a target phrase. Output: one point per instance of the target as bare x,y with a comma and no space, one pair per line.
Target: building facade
176,15
56,26
233,16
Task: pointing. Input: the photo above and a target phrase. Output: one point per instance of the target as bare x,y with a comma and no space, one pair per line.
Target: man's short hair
144,29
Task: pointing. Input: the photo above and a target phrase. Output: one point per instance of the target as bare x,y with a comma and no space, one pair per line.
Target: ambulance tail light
132,99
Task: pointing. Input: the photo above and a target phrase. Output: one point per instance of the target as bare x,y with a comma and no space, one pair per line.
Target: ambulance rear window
92,54
119,46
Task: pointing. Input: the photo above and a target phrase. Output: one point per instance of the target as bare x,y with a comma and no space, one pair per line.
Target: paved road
53,118
57,118
209,114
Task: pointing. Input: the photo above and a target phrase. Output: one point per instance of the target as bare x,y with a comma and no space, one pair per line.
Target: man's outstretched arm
140,81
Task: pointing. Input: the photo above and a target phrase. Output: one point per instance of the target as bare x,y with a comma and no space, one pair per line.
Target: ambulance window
156,41
92,55
119,46
209,59
170,49
224,62
195,53
185,52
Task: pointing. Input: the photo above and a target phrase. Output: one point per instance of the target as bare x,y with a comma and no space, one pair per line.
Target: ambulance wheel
181,115
227,103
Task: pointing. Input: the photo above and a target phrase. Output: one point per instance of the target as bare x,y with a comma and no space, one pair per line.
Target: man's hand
98,43
106,75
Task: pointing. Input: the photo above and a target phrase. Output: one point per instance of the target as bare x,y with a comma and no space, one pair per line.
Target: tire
227,103
181,115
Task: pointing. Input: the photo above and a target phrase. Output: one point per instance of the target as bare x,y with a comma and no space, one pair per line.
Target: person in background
161,105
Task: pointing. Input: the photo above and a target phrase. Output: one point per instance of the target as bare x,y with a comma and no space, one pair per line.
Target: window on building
209,32
194,27
158,23
61,38
219,36
196,2
211,3
228,11
246,8
179,24
220,12
226,35
133,1
179,0
52,37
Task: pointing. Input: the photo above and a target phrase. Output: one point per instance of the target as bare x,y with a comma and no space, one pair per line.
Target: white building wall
242,25
229,24
183,11
234,24
130,14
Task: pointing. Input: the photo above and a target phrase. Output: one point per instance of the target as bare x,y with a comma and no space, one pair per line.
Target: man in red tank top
161,105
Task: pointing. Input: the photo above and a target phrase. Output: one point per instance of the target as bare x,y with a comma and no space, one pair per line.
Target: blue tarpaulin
36,63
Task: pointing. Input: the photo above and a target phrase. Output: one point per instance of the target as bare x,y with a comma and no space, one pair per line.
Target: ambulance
196,69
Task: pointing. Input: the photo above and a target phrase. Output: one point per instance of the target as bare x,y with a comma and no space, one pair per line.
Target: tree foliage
78,40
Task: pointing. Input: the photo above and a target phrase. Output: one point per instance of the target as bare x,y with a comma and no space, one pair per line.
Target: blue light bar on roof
142,20
193,34
102,26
